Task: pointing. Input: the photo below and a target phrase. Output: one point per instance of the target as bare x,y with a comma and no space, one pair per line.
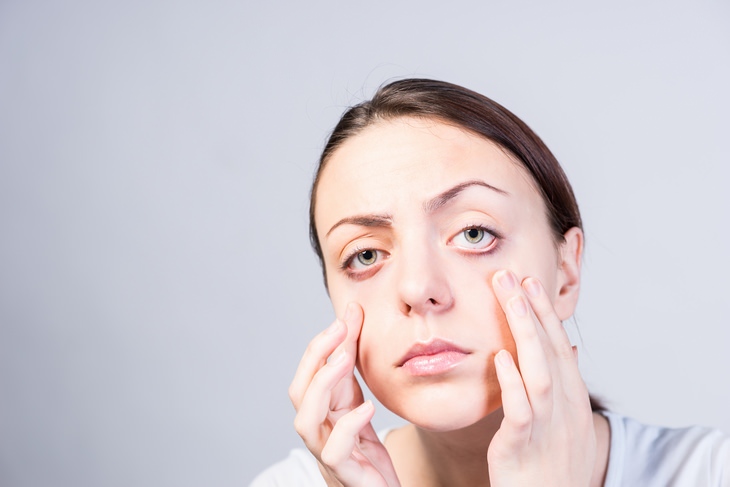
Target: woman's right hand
332,418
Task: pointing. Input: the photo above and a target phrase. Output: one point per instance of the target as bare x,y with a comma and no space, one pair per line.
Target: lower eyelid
477,253
347,262
364,273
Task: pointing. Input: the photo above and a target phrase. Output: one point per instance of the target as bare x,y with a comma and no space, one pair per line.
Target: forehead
395,163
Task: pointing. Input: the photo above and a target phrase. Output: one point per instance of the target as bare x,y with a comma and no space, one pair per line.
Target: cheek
378,301
535,258
488,329
383,335
477,300
368,293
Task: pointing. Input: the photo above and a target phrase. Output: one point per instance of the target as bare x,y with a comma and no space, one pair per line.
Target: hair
471,111
458,106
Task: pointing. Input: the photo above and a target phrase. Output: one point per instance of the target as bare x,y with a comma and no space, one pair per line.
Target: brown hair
458,106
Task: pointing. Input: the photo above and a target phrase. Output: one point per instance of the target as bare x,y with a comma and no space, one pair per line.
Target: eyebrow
440,200
385,220
364,221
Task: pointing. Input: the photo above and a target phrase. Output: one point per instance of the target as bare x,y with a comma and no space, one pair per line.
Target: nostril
432,301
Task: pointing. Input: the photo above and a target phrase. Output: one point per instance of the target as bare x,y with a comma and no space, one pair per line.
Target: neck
458,458
450,458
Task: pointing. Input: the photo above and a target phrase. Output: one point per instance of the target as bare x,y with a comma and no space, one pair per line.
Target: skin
430,232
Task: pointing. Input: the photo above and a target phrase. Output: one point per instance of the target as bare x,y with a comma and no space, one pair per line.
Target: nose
423,286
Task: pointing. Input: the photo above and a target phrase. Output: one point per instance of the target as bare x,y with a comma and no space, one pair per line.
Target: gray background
156,283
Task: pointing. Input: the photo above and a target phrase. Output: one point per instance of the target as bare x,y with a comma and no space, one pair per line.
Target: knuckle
312,347
521,421
327,456
543,387
566,353
293,392
301,426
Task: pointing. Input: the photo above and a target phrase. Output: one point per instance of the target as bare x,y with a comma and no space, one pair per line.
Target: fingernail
532,288
518,306
333,327
338,358
364,407
504,358
506,280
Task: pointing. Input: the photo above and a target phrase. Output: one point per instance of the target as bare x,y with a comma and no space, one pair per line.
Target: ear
568,282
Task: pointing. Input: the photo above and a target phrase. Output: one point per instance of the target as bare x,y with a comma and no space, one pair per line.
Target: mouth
432,358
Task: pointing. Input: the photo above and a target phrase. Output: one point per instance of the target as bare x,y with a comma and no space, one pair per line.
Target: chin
443,407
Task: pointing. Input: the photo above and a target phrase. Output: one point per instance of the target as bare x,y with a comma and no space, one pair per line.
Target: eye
363,259
474,235
474,238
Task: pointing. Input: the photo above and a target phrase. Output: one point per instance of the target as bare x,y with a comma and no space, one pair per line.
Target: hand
332,418
547,435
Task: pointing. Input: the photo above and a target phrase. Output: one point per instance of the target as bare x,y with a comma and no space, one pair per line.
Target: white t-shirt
640,455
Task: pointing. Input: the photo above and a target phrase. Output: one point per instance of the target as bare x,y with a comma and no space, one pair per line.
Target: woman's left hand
547,436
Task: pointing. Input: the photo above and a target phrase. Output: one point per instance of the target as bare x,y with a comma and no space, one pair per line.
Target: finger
566,355
348,391
338,452
545,312
314,359
315,404
346,394
530,339
353,320
517,422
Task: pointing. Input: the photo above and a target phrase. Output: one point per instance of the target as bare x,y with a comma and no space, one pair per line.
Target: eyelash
347,261
491,231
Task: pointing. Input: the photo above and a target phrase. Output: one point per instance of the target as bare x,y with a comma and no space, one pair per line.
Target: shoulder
648,455
299,469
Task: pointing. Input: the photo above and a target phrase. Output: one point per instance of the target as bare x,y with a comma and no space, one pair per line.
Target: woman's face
415,217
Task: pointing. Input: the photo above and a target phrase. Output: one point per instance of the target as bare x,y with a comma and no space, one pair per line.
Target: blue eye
476,238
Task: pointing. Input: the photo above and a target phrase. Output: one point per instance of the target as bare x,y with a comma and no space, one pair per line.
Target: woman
451,243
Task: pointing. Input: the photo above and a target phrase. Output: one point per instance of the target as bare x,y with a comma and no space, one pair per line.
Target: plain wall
157,288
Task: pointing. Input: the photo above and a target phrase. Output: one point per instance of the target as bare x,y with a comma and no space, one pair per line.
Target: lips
432,358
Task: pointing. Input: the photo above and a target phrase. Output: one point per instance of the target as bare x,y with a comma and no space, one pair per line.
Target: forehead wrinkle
440,200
